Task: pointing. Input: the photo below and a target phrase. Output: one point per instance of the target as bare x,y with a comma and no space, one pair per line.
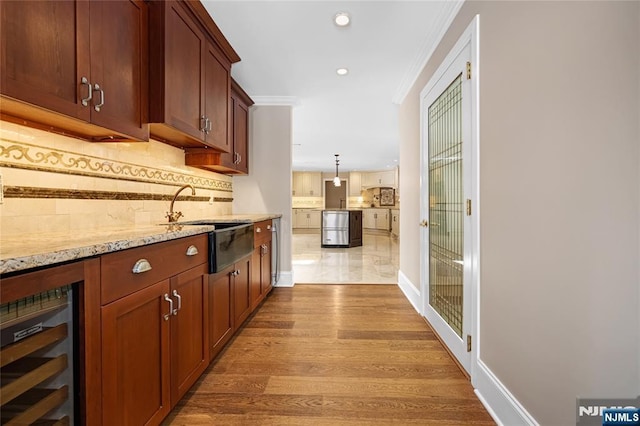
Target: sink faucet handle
173,216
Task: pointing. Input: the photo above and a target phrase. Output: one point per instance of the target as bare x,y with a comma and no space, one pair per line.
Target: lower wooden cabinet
220,310
261,262
136,357
155,346
241,291
189,330
155,340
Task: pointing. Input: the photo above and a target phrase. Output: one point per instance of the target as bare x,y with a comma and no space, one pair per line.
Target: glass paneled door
446,239
446,206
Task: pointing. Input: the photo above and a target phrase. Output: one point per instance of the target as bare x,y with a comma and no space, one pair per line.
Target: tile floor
376,262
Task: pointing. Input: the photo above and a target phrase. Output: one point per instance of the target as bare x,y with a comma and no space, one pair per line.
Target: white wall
560,198
267,188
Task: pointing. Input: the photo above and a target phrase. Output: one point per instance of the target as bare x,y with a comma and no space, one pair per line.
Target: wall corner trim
286,279
410,291
499,402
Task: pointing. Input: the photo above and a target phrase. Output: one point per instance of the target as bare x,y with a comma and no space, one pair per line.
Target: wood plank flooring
333,355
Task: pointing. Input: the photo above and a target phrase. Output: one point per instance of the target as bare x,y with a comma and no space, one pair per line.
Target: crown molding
276,100
429,45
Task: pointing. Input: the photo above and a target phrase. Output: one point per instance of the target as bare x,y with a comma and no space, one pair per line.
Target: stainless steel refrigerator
335,228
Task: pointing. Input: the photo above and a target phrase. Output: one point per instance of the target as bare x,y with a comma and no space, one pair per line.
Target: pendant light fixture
336,180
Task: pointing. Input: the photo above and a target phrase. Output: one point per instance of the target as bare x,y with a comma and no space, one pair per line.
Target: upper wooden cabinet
191,81
76,67
236,161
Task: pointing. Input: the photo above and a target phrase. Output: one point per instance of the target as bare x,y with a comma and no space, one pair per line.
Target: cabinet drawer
166,259
261,232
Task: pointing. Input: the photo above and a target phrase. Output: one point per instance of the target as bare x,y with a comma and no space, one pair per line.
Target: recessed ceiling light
342,19
342,71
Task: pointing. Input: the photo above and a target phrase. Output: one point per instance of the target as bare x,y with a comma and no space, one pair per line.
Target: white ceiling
290,51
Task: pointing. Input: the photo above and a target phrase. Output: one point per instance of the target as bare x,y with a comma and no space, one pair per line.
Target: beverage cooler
36,358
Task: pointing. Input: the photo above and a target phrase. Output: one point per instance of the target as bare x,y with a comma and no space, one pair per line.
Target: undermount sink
219,225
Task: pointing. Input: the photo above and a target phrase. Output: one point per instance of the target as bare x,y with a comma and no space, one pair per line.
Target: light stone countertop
23,252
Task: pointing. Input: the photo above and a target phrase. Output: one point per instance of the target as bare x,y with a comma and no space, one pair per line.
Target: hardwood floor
333,355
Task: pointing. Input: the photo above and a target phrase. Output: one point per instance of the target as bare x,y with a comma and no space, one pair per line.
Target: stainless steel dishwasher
335,228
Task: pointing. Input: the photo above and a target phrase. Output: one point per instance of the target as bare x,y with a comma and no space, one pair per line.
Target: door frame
469,38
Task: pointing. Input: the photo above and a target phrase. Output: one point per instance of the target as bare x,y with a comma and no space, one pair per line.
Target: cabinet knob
192,250
258,230
142,265
424,223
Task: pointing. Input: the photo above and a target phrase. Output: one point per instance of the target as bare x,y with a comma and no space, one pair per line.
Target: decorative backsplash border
28,156
33,192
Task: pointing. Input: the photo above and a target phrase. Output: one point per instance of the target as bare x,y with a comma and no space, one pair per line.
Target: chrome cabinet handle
203,124
175,293
192,250
209,126
236,158
239,158
170,300
85,101
142,265
101,104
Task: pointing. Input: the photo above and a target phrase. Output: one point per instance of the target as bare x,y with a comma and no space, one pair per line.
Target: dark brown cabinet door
119,66
241,136
135,358
242,291
256,277
220,312
45,54
265,269
355,228
216,96
189,330
183,73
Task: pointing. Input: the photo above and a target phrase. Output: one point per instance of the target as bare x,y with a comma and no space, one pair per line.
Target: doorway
449,191
335,197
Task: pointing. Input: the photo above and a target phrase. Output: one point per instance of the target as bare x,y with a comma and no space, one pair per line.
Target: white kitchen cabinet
385,178
306,218
355,184
314,219
395,222
307,184
376,219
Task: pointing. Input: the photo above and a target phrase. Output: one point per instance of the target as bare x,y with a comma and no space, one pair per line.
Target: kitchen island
341,228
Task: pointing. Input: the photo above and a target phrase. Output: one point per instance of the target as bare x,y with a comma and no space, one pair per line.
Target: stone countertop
23,252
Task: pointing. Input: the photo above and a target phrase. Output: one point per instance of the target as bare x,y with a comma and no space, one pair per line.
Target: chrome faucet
174,216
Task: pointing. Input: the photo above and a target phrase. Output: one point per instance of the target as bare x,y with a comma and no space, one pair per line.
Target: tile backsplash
53,182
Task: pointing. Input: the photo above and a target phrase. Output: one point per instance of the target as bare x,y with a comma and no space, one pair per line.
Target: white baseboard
286,279
410,291
499,402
